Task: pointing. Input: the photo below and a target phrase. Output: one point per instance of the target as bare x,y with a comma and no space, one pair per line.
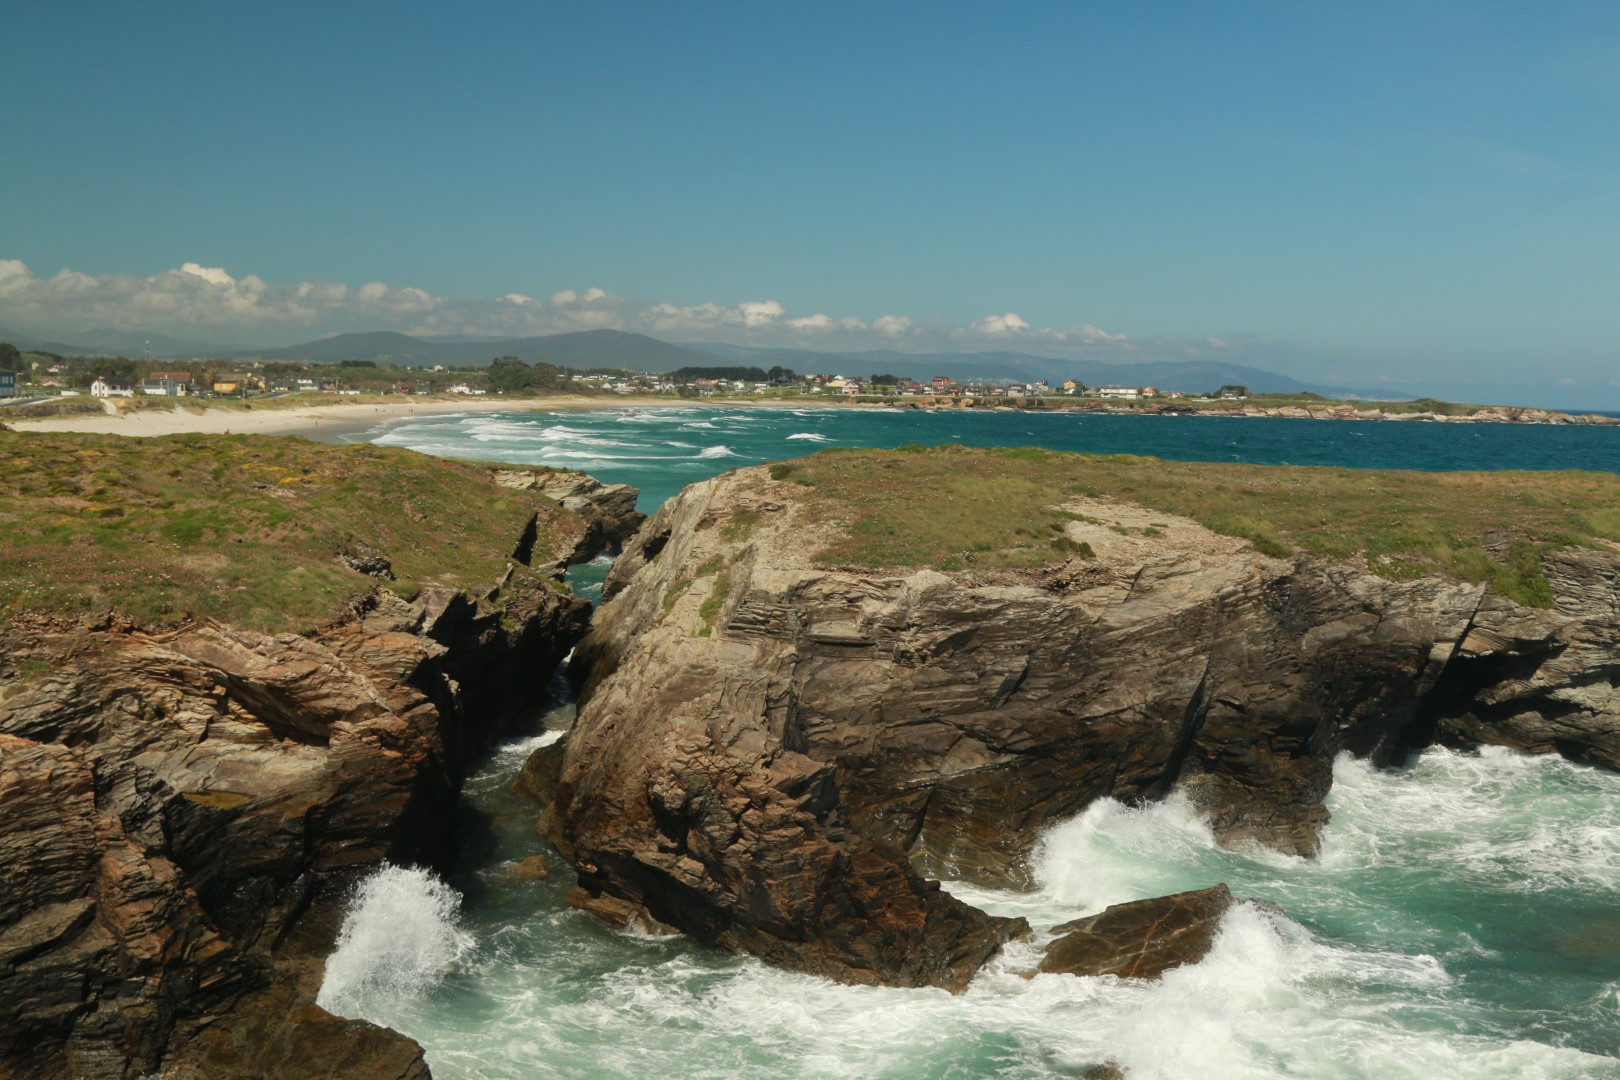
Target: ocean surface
1462,919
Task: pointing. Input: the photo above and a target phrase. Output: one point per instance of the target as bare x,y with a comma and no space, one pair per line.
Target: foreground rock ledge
183,809
774,756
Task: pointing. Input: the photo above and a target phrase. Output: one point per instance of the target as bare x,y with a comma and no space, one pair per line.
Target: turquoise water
1461,920
660,450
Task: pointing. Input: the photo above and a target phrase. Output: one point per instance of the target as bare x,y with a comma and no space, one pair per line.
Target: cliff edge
789,726
186,798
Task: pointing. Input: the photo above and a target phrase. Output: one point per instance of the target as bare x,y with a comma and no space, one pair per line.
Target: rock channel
780,758
183,809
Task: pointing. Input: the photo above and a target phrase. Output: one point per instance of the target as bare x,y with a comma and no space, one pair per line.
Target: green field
245,529
954,508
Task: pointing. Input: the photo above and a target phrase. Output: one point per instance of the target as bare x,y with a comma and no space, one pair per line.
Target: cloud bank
208,302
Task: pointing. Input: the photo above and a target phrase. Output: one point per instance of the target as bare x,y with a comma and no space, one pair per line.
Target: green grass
245,529
955,508
49,407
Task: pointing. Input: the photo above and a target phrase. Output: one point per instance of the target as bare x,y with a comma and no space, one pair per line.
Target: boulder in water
1142,939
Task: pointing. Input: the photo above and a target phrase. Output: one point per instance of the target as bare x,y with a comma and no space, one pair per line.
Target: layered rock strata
775,756
608,510
183,809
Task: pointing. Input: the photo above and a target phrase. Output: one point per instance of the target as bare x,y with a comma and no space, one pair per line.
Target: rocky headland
185,800
818,687
1288,408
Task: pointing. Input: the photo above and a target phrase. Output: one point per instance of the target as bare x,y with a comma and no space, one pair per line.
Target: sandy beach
320,421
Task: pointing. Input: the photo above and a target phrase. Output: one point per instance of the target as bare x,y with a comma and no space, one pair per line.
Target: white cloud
209,302
999,324
214,275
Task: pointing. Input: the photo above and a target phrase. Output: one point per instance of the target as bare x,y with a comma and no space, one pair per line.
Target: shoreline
331,422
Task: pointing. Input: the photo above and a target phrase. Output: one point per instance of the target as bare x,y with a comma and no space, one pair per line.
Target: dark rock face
1542,681
763,745
608,510
1142,939
183,811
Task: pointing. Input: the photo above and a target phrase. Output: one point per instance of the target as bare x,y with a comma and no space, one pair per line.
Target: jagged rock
608,510
1142,939
183,809
764,745
365,559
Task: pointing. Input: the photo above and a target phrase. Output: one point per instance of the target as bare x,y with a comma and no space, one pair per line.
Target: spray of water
400,938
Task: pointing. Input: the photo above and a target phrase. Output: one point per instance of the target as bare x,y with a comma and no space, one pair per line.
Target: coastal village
43,375
48,384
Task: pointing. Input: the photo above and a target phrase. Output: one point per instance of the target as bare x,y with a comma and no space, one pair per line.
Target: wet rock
534,868
1142,939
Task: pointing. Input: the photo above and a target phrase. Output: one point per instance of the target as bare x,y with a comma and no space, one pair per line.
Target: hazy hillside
585,349
638,352
105,341
966,367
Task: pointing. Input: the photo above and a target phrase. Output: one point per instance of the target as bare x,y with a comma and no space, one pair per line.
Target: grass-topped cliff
955,508
244,529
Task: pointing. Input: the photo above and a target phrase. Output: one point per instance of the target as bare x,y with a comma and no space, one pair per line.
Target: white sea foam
809,436
399,938
709,453
553,996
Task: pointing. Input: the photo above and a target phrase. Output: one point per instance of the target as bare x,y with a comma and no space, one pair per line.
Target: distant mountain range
638,352
1194,375
105,341
585,349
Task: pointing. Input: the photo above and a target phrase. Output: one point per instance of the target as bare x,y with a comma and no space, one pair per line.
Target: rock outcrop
608,510
183,809
1142,939
774,756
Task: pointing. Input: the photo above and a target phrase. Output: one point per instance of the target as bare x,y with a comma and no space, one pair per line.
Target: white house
104,388
1124,393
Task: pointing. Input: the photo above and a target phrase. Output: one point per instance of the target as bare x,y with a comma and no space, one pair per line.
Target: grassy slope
241,528
952,507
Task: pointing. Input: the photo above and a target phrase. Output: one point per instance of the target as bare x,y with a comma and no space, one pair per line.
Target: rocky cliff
183,807
776,756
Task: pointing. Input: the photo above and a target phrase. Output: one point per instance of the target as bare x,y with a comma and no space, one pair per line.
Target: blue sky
1413,193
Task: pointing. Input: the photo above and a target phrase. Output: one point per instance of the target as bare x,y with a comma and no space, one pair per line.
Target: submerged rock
1142,939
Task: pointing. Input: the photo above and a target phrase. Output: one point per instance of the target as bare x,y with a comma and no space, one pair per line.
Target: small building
1119,393
8,384
1232,393
1073,386
104,387
167,384
851,388
227,383
940,382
